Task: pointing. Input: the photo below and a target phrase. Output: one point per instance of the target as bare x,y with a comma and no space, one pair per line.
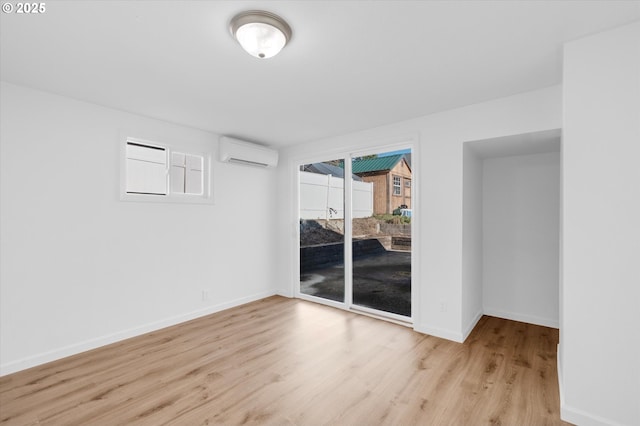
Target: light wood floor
282,361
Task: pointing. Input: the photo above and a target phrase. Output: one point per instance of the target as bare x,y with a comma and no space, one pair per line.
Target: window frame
399,186
206,197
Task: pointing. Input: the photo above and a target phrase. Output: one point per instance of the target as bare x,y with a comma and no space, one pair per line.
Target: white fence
322,197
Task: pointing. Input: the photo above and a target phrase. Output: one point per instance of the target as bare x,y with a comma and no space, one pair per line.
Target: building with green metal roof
391,177
376,164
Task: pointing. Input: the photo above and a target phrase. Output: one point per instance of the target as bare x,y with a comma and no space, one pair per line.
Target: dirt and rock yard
315,232
381,281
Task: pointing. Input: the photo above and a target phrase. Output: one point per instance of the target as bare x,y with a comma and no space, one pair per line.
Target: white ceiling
523,144
351,65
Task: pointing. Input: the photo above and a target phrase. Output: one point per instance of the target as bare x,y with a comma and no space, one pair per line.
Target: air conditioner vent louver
240,152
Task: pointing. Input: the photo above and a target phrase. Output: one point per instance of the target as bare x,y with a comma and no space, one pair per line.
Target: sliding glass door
355,232
381,232
322,234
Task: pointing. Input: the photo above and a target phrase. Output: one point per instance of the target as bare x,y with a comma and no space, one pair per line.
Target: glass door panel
381,232
322,268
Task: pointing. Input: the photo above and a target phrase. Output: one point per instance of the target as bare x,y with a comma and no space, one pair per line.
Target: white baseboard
443,333
531,319
582,418
439,332
574,415
285,293
76,348
467,331
560,380
460,337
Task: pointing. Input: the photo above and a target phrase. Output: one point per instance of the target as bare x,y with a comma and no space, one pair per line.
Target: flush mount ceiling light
262,34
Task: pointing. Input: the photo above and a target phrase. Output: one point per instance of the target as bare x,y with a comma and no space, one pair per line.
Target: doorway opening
355,240
511,227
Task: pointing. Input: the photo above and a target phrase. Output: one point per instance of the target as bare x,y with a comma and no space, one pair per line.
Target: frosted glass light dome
262,34
261,40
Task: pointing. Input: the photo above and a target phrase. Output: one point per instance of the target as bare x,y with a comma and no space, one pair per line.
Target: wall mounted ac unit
236,151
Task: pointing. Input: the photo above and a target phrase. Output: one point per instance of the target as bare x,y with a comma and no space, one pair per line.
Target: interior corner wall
521,220
80,268
600,329
440,139
472,230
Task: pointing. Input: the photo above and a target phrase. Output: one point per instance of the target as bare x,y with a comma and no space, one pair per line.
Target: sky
401,151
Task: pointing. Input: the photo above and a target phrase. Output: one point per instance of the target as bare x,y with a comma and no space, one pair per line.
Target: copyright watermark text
24,8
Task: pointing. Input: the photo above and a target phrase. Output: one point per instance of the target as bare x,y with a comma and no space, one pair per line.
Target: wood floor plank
280,361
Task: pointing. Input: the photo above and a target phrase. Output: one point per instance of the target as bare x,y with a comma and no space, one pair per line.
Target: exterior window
156,172
186,173
407,183
146,169
397,185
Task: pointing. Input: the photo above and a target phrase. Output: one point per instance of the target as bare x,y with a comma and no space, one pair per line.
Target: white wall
521,219
79,268
439,155
600,326
472,230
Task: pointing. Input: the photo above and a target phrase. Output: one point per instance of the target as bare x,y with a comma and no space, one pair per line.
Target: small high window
156,172
186,173
146,169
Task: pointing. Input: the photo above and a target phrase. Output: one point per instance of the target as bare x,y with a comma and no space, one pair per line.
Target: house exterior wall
403,171
384,201
381,191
